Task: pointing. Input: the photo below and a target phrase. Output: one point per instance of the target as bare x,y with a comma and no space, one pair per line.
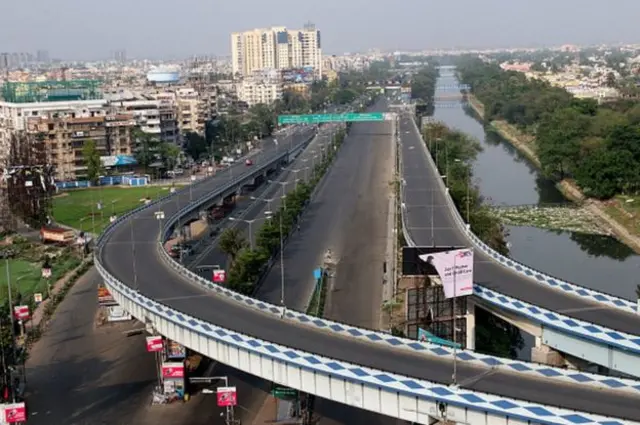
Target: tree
146,148
195,145
169,154
92,161
263,118
232,242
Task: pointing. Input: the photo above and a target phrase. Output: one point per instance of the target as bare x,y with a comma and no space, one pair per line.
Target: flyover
584,323
367,369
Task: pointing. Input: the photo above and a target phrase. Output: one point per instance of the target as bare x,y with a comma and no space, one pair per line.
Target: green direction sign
322,118
284,392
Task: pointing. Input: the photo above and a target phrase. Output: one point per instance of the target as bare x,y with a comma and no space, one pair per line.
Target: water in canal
508,178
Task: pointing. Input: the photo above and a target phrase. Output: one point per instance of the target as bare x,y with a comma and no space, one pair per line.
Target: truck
219,212
57,235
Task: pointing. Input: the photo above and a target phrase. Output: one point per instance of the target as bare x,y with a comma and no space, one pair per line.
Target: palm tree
232,242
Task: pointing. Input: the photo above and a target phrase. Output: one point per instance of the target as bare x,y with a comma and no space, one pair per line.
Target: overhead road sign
324,118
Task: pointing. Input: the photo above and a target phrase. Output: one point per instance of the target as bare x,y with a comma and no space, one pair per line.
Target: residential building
65,137
276,48
259,91
155,116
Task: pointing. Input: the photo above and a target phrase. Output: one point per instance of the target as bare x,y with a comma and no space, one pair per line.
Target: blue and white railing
382,392
526,271
571,326
142,308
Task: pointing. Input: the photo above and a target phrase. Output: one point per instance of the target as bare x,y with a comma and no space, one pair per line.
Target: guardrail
540,277
579,328
375,336
144,303
397,395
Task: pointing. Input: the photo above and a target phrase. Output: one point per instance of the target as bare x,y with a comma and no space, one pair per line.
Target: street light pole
133,256
282,267
455,331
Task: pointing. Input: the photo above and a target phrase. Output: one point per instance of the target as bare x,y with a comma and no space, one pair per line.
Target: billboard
298,75
227,396
455,269
412,265
21,312
154,344
175,350
173,370
14,413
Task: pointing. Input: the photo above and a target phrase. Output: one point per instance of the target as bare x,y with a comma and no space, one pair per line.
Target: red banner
227,396
21,312
219,276
14,413
154,344
173,370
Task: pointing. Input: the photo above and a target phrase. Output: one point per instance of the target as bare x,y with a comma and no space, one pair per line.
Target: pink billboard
154,344
455,269
227,396
173,370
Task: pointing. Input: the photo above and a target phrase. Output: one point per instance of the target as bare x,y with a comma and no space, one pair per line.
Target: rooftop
51,91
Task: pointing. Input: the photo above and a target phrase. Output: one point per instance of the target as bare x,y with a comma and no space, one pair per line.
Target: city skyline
144,31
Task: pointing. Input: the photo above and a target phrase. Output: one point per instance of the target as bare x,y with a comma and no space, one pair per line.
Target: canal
505,177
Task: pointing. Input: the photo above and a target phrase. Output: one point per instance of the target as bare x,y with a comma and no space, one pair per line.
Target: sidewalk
38,313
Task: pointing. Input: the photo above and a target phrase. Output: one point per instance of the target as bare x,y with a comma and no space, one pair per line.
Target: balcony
150,130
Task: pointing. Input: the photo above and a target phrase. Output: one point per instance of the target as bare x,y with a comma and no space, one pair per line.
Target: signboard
14,413
455,269
173,370
154,344
21,312
37,298
227,396
321,118
175,350
46,272
284,392
219,276
104,296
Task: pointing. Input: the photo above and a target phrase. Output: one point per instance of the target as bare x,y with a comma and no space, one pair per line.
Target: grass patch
73,208
625,213
26,276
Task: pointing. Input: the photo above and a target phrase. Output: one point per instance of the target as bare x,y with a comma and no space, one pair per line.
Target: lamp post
284,193
468,197
159,216
133,256
250,223
269,214
267,200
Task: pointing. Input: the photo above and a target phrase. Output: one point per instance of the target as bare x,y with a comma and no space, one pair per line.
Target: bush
249,265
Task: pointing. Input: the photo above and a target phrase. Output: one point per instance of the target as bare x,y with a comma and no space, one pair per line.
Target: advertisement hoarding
173,370
455,269
219,276
14,413
175,350
21,312
154,344
227,396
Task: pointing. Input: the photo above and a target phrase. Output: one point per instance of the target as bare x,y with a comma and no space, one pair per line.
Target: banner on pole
455,269
154,344
227,396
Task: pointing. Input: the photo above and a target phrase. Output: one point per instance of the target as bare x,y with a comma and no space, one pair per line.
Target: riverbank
619,214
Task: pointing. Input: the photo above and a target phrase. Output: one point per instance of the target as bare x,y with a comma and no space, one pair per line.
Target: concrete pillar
471,324
544,354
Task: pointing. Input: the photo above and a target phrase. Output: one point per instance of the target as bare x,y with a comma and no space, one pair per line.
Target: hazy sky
86,29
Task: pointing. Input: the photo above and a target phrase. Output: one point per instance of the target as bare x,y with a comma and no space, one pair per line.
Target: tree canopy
597,145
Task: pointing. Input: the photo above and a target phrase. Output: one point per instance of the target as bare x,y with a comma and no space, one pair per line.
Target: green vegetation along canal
505,177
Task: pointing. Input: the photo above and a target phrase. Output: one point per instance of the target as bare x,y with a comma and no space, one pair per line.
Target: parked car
248,162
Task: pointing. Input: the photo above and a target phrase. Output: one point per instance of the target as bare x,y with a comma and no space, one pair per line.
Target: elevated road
430,222
137,262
